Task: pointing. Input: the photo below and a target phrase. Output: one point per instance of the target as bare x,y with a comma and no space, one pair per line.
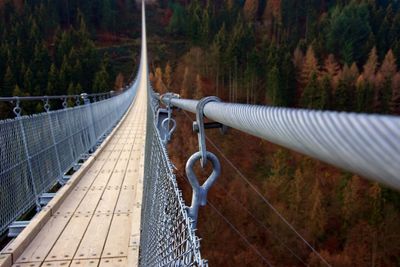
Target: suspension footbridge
121,204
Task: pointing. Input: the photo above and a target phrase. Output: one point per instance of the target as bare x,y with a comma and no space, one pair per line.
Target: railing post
61,174
70,133
92,128
17,111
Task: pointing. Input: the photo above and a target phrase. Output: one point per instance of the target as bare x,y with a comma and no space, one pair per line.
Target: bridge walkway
94,220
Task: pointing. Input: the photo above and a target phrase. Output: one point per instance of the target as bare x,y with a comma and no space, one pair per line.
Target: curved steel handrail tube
365,144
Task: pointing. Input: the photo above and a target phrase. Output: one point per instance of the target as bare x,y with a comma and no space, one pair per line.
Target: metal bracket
166,123
64,103
46,104
17,109
199,196
199,126
45,198
16,228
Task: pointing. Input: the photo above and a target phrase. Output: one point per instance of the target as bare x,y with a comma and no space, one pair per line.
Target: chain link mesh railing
37,150
168,238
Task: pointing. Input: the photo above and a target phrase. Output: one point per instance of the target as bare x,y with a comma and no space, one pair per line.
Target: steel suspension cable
365,144
266,201
240,234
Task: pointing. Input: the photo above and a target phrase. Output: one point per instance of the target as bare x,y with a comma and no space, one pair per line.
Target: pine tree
17,91
71,89
8,82
101,81
273,87
310,96
64,77
364,95
28,77
52,82
325,93
344,94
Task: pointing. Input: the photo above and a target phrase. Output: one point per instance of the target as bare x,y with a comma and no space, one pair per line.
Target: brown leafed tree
395,98
185,87
371,66
310,66
199,88
168,76
331,66
159,84
317,214
119,81
250,9
272,16
389,67
298,58
379,88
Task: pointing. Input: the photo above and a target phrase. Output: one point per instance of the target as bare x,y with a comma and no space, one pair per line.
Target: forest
339,55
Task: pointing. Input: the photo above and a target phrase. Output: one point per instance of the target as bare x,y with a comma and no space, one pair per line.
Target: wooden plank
108,200
28,264
113,262
126,199
85,263
44,241
68,242
134,237
93,241
90,201
118,236
56,264
133,257
72,201
5,260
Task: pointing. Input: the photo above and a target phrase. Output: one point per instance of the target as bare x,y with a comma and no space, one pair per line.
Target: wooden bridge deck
94,220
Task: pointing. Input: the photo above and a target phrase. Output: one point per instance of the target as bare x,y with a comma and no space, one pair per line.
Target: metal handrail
365,144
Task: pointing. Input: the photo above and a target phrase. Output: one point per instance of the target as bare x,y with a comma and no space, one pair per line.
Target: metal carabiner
64,103
199,125
46,104
169,131
17,109
199,195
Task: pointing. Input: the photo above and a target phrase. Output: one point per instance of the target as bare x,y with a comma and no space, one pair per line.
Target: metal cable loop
199,195
17,109
166,124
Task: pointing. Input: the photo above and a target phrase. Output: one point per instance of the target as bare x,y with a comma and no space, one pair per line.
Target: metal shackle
166,125
199,195
201,135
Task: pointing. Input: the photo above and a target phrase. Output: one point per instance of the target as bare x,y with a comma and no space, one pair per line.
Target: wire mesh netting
168,238
37,150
